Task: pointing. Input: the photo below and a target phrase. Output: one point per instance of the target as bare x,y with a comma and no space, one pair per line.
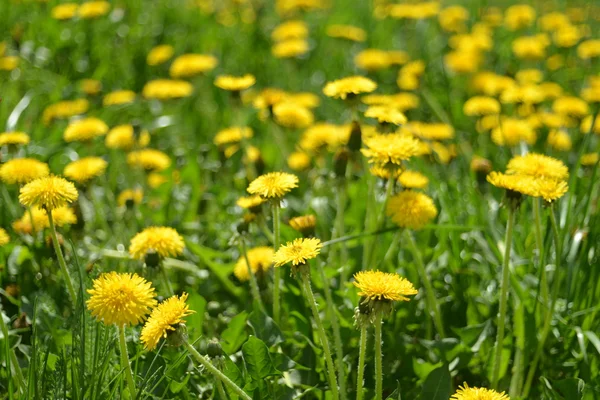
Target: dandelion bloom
23,170
130,196
123,137
377,285
4,238
512,183
121,299
91,86
261,260
160,54
512,131
348,32
304,224
290,48
297,252
163,240
164,318
589,159
386,114
85,169
473,393
298,161
413,180
49,192
538,165
373,59
410,209
64,11
547,188
118,97
149,159
61,216
589,49
84,130
188,65
571,106
93,9
233,134
349,87
13,138
481,105
166,89
390,149
251,203
8,63
273,185
292,115
294,29
235,83
519,16
65,109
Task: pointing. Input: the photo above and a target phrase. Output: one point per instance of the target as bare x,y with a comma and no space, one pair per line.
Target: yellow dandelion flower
292,115
409,209
571,106
93,9
251,203
13,138
121,299
130,196
49,192
36,215
373,59
304,224
123,137
4,238
304,99
547,188
162,240
348,32
84,130
431,131
273,185
64,11
513,183
268,97
463,61
390,149
8,63
481,105
589,49
294,29
513,131
383,286
530,47
480,165
400,101
188,65
383,172
65,109
61,216
559,140
160,54
232,135
519,16
413,180
118,97
235,83
261,260
22,170
473,393
164,318
386,114
349,87
589,159
85,169
166,89
538,165
297,252
90,86
453,18
290,48
149,159
298,161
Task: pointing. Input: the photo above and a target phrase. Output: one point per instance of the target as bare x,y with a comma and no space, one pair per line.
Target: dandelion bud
178,337
152,259
355,140
214,349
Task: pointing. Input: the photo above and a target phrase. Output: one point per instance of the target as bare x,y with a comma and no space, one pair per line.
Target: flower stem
548,318
125,363
12,362
277,272
503,297
61,259
432,303
378,359
337,337
217,374
540,247
321,332
361,361
253,283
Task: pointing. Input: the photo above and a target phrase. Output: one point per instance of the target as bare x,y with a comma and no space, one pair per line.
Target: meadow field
300,199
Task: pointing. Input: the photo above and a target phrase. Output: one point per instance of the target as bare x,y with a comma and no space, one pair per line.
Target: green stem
503,297
548,318
378,358
12,362
277,272
61,259
337,337
217,374
7,200
361,361
253,283
540,247
321,332
432,303
125,362
340,229
262,224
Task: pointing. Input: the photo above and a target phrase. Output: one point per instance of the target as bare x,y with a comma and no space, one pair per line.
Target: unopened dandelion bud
355,140
214,349
152,259
178,337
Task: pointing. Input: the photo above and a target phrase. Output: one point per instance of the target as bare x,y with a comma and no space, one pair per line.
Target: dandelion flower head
164,318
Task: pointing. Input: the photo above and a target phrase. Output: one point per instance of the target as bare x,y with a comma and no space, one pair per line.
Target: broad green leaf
195,320
176,386
257,358
235,334
569,389
437,385
265,328
233,373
